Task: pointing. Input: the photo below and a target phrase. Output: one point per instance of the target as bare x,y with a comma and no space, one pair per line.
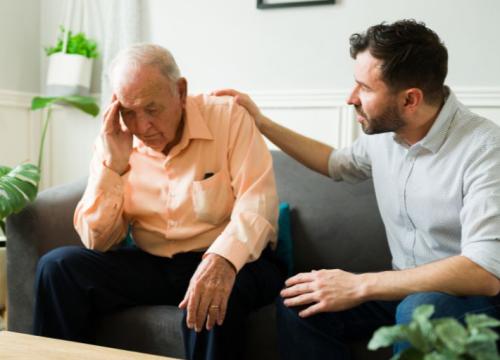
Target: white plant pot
68,74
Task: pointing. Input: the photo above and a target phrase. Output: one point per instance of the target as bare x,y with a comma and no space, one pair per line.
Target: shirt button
171,223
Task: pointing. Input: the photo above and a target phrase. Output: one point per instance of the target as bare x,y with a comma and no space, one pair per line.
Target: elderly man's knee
51,264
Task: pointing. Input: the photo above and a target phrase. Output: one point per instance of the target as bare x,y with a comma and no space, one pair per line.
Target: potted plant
70,64
19,185
441,339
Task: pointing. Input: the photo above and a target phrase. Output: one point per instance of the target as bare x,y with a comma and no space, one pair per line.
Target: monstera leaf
84,103
18,187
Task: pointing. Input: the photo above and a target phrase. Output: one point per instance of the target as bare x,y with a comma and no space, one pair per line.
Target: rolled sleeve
480,214
255,213
351,164
485,254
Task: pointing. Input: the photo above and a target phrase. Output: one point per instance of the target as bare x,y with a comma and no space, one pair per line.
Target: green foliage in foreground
441,339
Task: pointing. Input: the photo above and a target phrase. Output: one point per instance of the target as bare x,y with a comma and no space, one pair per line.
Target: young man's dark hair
412,56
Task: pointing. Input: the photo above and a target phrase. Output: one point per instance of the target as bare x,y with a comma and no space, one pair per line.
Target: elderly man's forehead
127,71
138,97
140,94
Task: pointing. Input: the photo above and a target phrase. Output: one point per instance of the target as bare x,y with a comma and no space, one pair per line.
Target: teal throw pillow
284,250
128,240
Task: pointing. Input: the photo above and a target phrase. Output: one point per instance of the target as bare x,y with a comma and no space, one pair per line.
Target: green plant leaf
84,103
452,334
437,356
423,312
483,350
77,44
421,316
480,321
483,335
386,336
416,338
4,170
441,339
18,187
410,354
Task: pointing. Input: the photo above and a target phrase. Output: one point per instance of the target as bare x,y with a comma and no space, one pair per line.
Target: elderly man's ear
182,89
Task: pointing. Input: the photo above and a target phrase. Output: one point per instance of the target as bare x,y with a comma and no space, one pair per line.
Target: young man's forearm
307,151
456,275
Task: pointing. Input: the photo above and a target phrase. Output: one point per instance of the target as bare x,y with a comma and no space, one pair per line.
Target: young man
436,171
192,178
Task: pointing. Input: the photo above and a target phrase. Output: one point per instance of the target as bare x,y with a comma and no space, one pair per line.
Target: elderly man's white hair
147,54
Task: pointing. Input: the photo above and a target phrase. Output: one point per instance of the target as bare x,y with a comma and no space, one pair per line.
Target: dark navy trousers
325,336
75,286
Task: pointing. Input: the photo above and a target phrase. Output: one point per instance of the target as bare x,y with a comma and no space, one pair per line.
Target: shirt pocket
213,198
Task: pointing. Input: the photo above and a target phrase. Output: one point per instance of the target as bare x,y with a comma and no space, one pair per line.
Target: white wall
19,76
294,61
20,41
223,43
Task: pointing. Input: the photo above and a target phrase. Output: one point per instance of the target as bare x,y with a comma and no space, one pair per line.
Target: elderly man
436,170
192,180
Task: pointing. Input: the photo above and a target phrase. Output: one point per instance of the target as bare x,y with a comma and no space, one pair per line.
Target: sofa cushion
334,225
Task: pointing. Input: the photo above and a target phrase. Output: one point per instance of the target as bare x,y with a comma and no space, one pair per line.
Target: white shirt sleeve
351,164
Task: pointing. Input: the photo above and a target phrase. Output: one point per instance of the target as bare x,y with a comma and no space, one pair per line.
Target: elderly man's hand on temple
208,292
116,139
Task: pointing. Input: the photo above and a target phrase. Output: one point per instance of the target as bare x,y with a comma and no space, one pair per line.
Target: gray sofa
334,225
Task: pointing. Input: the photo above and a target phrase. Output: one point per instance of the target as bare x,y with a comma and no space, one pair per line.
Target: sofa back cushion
334,224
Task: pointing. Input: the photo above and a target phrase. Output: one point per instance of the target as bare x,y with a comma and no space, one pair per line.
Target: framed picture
271,4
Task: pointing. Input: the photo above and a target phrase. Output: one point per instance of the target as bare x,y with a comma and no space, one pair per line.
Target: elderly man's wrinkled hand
116,139
208,292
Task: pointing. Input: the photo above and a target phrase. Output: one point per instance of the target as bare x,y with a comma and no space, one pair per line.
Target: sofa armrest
45,224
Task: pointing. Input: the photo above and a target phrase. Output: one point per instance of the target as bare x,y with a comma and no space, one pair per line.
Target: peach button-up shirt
215,191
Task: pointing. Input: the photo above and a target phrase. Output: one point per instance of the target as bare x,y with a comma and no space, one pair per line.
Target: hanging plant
77,44
19,185
70,64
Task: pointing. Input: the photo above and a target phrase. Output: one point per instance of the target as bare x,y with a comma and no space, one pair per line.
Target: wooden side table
22,346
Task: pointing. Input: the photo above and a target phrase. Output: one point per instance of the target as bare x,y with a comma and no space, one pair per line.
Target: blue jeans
326,335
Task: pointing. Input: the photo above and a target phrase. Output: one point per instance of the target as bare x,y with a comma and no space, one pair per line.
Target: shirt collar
439,130
195,127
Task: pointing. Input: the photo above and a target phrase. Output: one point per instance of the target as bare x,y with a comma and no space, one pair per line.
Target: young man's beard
389,120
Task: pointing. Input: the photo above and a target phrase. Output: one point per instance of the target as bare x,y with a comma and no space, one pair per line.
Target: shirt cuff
108,181
243,240
332,161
